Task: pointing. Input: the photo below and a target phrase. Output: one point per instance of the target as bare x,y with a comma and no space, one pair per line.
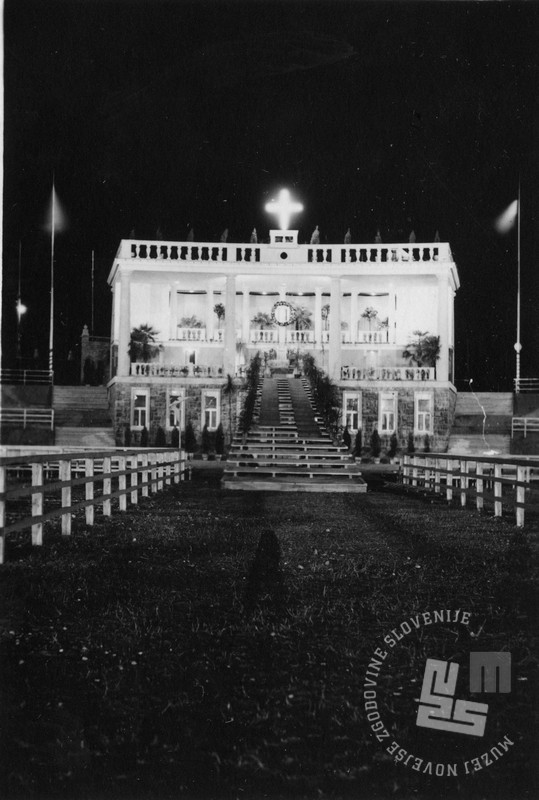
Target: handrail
524,424
526,385
473,473
25,416
56,473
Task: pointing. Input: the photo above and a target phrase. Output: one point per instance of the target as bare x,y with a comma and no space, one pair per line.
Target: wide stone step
292,485
275,471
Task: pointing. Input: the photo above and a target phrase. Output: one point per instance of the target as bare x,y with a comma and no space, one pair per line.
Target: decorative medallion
283,313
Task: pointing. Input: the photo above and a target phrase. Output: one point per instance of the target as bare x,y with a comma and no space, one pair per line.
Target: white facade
378,296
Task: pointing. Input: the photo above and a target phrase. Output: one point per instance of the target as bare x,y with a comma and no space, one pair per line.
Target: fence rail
524,425
37,480
27,416
526,384
26,376
474,475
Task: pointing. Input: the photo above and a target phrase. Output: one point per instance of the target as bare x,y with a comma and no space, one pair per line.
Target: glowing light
20,308
283,207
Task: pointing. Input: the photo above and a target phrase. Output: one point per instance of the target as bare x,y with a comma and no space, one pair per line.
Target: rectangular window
176,409
423,412
351,406
387,416
211,409
140,408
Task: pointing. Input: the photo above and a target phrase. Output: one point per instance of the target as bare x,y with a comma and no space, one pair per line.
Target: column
335,330
124,334
353,315
318,316
391,315
173,330
209,311
245,316
442,367
281,329
229,360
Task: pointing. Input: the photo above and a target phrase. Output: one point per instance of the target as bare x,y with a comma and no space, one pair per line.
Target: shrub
175,437
160,438
220,440
411,445
376,444
426,448
347,439
253,377
190,438
206,441
127,436
393,445
358,446
144,437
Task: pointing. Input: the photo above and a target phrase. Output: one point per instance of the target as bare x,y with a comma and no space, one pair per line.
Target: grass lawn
156,656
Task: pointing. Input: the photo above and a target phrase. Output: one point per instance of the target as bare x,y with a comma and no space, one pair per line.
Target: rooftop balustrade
264,253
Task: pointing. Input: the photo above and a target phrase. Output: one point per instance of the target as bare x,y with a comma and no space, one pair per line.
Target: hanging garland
292,313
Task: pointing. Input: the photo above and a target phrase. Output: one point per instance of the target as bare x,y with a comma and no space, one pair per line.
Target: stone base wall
444,412
120,396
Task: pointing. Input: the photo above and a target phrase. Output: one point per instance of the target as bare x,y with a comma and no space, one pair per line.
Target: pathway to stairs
82,417
287,450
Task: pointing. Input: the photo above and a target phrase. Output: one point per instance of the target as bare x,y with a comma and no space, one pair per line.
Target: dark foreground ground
157,656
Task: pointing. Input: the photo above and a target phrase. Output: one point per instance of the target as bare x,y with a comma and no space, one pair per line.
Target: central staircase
287,449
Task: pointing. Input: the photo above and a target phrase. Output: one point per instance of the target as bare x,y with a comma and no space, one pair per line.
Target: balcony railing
264,336
141,369
271,336
388,373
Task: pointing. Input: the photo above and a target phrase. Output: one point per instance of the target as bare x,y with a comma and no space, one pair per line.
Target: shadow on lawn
214,644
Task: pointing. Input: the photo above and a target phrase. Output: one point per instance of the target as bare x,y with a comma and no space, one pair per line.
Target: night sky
165,116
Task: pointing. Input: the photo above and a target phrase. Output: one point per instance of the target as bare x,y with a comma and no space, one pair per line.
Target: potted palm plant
143,344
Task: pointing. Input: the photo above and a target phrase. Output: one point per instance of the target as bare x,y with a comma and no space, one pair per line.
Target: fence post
3,472
449,479
89,490
405,468
160,471
479,486
463,480
437,467
133,463
153,471
522,478
413,459
144,460
65,477
177,465
497,490
107,485
122,484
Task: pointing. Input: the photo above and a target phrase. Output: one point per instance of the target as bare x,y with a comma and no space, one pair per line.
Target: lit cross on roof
284,207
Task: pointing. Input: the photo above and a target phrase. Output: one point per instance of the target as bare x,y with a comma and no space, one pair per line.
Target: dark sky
153,115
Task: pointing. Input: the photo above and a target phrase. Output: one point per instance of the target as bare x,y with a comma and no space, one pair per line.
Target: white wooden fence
475,475
104,475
